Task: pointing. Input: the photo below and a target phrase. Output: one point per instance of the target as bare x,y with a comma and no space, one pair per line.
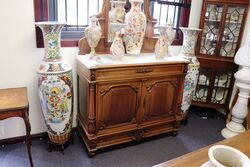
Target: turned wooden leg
28,141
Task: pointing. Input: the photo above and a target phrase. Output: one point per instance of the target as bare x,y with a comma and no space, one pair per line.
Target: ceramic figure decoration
117,49
93,35
191,78
135,21
55,85
167,35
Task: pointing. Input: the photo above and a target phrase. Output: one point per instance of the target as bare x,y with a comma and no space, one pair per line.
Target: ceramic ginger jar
191,78
93,34
135,21
55,85
167,35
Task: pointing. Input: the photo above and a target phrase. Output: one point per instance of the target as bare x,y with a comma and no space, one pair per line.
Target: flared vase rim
189,28
119,2
50,23
164,26
211,150
136,1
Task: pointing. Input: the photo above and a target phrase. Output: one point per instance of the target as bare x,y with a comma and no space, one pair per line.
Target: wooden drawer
138,72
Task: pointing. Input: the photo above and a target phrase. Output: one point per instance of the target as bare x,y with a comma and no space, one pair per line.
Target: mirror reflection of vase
93,34
135,21
116,17
117,14
167,35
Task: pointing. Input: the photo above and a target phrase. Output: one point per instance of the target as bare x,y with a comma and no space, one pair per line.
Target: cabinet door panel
221,87
160,98
201,92
117,104
210,33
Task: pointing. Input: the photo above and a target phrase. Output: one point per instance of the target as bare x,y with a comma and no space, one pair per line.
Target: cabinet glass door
202,85
211,28
221,87
233,23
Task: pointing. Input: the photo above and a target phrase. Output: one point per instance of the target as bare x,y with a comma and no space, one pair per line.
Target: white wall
19,58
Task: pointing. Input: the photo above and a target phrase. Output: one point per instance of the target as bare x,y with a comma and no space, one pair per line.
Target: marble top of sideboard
106,61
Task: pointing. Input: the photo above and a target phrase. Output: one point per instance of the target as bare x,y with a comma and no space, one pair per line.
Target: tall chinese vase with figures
55,85
188,51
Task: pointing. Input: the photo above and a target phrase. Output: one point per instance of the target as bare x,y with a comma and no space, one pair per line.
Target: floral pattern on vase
93,34
189,41
190,83
191,78
167,35
135,21
117,49
55,85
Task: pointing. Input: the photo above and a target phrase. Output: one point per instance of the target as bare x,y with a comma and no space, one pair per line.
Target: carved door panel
117,105
160,98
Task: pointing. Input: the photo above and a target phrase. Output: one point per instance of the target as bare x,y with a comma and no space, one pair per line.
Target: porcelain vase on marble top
135,21
166,38
93,34
55,85
117,49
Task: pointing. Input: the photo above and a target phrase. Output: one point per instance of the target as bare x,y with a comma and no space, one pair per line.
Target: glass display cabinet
222,23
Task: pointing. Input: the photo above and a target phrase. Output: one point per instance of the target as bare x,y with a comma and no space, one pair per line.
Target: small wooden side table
14,103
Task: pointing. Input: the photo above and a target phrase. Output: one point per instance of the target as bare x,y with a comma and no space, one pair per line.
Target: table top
13,98
106,61
199,157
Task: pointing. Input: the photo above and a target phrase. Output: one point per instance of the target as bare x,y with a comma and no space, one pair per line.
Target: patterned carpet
198,133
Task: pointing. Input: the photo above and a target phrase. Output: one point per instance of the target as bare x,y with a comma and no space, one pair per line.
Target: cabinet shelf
230,41
207,20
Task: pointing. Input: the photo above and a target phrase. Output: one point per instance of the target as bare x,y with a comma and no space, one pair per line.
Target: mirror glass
117,12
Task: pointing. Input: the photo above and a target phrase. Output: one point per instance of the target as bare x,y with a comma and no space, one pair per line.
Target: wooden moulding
104,46
244,2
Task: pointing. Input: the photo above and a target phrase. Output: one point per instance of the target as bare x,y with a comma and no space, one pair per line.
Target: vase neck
189,41
136,6
52,42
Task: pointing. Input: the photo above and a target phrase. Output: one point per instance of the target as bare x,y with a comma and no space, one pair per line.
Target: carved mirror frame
103,45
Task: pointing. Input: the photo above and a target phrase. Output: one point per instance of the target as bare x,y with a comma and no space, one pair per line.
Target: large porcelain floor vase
55,85
188,51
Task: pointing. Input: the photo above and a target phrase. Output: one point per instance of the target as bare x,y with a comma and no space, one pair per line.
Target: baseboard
23,138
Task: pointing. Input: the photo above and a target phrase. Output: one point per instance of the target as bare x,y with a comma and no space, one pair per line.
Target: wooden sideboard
199,157
122,101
